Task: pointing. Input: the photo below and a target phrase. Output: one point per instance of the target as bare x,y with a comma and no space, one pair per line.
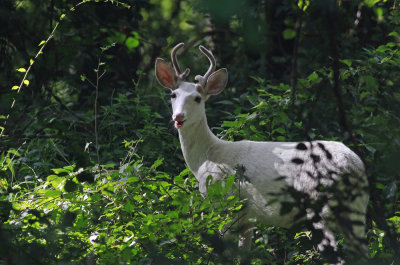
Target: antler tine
175,64
203,79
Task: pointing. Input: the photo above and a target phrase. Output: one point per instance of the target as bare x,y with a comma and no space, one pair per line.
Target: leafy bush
132,214
90,168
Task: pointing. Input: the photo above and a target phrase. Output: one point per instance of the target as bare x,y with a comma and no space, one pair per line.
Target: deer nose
178,117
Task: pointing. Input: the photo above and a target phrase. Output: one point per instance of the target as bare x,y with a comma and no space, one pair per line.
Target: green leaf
314,77
132,179
132,43
371,3
229,181
110,165
364,94
14,152
379,12
66,169
289,34
157,163
26,82
52,193
129,207
393,33
281,138
62,16
303,4
135,34
238,207
55,180
279,130
230,198
22,70
14,87
42,42
31,61
346,62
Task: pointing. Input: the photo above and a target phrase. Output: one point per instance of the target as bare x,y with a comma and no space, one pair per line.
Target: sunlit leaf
157,163
132,43
14,152
289,34
371,3
346,62
52,193
303,4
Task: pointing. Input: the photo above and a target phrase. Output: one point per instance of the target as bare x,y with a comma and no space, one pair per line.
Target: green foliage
132,214
118,192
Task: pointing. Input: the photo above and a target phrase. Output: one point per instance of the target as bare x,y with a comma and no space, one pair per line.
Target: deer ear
165,74
216,82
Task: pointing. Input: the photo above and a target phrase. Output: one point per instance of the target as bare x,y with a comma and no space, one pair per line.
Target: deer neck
195,141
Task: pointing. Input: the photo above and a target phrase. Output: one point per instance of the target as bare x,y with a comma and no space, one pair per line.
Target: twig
95,112
96,87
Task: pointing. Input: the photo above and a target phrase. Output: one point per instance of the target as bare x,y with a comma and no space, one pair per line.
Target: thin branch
96,87
95,111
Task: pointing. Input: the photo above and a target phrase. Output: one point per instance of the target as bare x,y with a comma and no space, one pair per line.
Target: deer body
264,164
270,167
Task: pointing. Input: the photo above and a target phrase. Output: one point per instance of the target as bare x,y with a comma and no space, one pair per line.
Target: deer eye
197,99
173,95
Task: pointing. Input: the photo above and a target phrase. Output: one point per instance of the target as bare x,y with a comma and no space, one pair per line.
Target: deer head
187,98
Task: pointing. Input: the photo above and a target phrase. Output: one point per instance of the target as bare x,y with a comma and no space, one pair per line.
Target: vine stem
32,62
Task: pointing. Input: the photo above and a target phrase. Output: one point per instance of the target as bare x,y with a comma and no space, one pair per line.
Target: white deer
271,168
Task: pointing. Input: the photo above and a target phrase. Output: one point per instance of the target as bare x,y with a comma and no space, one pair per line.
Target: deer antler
203,79
175,64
